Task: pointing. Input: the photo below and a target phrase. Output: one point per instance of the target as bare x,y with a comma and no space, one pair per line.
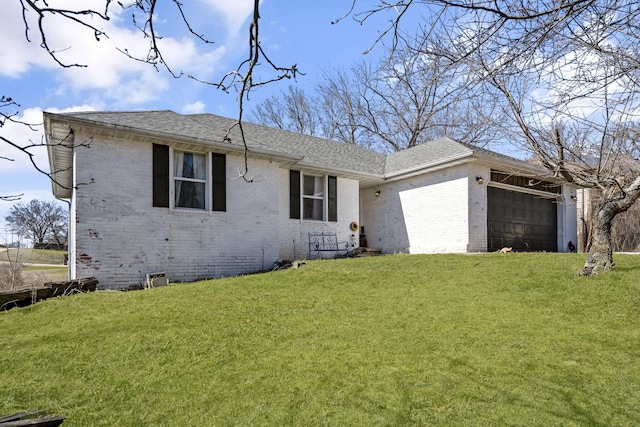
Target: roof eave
517,166
283,159
429,167
170,139
60,161
361,176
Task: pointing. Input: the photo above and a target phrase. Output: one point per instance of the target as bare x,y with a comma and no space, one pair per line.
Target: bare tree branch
75,16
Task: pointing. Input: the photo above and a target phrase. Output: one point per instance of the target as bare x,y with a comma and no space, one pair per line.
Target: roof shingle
311,151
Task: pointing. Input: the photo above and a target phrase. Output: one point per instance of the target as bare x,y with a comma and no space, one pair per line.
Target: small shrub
11,278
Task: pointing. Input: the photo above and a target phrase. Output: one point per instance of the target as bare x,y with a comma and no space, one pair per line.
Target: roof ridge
71,113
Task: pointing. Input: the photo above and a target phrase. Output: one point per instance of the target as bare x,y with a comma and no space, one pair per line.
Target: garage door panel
519,229
508,228
523,221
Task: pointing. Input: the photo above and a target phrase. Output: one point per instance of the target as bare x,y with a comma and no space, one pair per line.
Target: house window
199,181
314,196
190,179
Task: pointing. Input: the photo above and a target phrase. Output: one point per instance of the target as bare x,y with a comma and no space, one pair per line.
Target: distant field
34,256
404,340
49,266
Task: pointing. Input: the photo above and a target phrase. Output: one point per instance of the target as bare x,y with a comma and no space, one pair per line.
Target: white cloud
130,82
22,135
122,81
17,55
194,108
574,83
235,13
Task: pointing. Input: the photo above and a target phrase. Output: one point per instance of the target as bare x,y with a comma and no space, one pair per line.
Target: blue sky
292,32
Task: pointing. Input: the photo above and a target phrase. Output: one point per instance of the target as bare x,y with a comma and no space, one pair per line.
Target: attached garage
521,220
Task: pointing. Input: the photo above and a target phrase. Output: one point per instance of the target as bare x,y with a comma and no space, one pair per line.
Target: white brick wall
121,237
294,233
423,214
478,207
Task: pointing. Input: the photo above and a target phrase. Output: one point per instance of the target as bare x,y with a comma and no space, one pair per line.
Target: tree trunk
600,258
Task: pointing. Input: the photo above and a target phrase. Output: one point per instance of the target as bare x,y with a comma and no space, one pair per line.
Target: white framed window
190,180
313,197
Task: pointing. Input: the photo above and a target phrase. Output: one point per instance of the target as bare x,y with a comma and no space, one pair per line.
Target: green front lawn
491,339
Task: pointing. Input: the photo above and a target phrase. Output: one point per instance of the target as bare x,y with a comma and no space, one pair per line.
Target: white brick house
158,191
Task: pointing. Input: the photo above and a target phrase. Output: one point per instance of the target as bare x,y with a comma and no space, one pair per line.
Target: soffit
60,143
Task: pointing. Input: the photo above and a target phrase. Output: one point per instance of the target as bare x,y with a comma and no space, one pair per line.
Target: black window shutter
294,194
160,176
219,187
333,198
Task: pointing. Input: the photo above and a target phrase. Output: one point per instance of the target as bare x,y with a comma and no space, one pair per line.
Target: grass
39,275
34,256
492,339
53,268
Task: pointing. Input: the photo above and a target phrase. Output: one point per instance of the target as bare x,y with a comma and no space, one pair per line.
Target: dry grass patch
17,271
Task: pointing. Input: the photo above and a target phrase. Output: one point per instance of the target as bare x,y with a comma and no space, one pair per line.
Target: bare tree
9,110
407,98
412,97
145,19
11,276
292,110
340,106
42,221
332,114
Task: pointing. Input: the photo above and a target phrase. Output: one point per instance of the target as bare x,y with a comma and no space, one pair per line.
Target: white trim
544,194
324,198
208,203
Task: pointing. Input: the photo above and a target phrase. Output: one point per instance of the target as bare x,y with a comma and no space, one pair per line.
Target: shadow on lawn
627,268
567,399
629,261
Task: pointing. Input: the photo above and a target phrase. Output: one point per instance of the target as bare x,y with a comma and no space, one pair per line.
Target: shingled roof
305,151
